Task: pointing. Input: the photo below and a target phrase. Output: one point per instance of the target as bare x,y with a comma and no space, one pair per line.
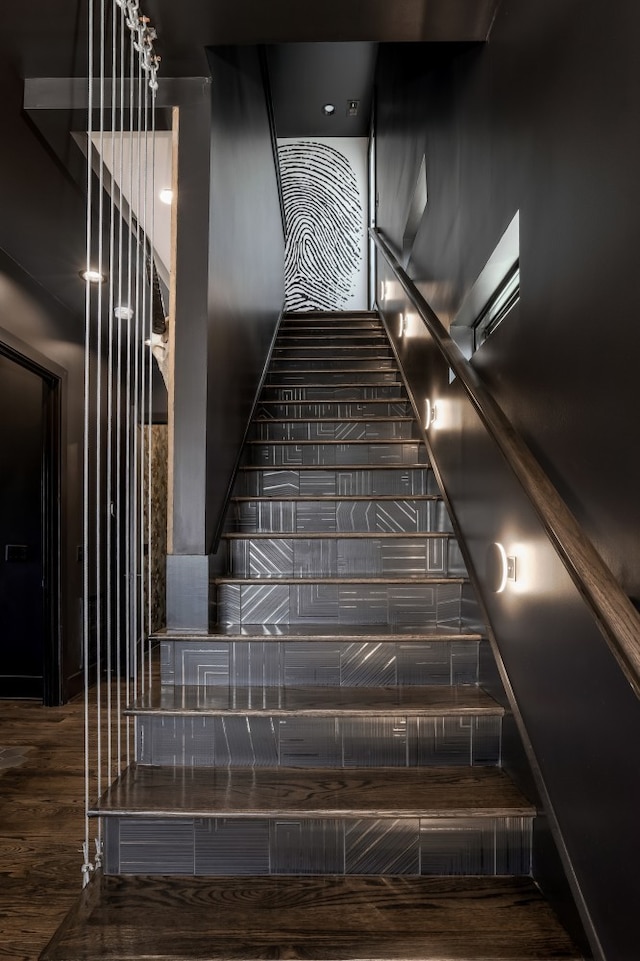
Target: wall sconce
404,325
500,569
430,413
383,290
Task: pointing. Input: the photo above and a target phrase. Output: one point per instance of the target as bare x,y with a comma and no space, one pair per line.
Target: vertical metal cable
128,398
143,372
150,411
136,405
119,389
86,866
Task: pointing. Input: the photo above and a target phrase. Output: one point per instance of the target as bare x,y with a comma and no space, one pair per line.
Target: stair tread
400,418
320,579
313,498
334,468
336,535
426,701
150,791
329,384
374,442
361,400
311,919
324,632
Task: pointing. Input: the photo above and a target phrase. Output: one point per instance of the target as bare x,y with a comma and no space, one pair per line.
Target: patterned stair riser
334,430
344,557
334,516
344,482
260,846
238,741
331,663
336,454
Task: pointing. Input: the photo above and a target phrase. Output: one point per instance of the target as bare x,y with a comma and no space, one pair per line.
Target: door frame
52,378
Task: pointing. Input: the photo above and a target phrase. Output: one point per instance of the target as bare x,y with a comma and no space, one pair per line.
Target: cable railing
121,317
613,611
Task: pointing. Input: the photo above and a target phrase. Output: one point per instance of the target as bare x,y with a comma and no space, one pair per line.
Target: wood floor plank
432,701
325,793
312,919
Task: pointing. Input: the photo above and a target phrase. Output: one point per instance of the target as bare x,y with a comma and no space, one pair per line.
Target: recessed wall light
93,276
329,109
430,413
123,313
500,568
165,195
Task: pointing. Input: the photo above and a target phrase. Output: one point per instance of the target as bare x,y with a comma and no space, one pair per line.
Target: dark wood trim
613,611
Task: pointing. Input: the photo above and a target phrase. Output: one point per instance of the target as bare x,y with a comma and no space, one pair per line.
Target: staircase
319,777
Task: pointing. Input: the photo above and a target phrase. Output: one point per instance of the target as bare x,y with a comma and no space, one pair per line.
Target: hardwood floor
41,824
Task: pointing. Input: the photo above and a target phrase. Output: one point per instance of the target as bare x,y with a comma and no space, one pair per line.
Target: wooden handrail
613,611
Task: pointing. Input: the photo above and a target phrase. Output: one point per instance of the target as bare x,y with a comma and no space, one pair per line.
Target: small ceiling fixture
166,195
329,109
93,276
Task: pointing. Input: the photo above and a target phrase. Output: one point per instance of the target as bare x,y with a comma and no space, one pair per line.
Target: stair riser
289,340
422,606
402,516
353,366
337,430
332,378
330,326
375,846
337,454
332,663
346,483
327,349
329,393
318,741
356,557
337,410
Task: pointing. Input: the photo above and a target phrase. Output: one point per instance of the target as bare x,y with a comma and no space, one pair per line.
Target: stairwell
320,776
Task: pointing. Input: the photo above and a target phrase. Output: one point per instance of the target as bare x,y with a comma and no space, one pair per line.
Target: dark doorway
29,419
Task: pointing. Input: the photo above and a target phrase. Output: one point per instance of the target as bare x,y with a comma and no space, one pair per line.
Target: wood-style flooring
41,824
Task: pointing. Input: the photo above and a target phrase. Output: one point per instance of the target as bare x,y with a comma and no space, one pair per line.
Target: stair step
311,919
326,429
325,365
233,726
334,378
337,453
433,701
411,580
450,792
318,554
322,655
315,339
387,513
324,351
330,393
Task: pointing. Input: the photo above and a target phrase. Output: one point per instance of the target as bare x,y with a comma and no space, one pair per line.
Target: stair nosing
420,579
459,705
386,419
310,498
240,634
335,467
337,535
375,441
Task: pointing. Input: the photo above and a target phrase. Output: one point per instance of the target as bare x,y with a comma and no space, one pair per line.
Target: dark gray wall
246,261
540,120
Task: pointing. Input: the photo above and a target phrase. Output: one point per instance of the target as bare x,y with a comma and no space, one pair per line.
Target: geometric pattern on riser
309,364
334,430
401,516
348,557
330,393
338,742
366,846
330,455
318,664
335,409
421,605
333,378
346,483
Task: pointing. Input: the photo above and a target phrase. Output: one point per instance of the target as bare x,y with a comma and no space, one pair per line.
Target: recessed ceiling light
93,276
329,109
165,195
123,313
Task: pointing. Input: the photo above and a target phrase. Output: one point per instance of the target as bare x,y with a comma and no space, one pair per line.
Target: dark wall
540,120
246,261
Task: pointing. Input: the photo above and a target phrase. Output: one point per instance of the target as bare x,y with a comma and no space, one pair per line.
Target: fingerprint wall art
324,210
